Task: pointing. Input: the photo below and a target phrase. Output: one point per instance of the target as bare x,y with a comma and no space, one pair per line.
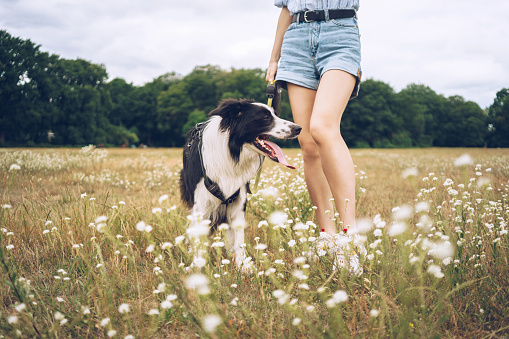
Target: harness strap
210,185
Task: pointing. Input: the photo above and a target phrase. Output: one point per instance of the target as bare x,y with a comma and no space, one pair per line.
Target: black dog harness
211,186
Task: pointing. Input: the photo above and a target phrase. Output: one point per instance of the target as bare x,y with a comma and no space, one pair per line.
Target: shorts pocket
347,22
292,26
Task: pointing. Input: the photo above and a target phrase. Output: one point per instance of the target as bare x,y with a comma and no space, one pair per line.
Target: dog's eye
266,117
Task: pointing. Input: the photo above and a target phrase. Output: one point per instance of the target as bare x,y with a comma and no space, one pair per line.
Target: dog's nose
296,129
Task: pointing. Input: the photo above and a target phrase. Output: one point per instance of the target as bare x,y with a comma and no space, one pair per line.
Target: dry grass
71,273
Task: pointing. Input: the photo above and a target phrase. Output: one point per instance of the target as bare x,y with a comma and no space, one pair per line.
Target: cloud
456,47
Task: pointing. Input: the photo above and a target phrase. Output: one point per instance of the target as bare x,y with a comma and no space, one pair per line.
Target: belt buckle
306,16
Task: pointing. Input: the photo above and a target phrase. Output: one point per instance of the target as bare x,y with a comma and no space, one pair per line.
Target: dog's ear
231,107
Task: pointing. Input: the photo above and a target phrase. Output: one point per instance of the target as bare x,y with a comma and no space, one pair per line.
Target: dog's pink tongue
281,157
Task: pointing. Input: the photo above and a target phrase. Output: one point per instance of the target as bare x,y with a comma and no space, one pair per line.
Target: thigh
301,101
332,97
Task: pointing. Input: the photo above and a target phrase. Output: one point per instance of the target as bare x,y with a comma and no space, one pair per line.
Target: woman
316,54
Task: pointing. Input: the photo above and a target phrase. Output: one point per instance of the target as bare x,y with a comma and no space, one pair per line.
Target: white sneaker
345,250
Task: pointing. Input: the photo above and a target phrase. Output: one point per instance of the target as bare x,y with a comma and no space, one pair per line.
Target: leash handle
271,92
274,96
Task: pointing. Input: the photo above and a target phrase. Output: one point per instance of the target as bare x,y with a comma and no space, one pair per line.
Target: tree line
48,100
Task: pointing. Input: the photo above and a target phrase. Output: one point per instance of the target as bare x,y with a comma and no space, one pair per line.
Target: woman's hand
271,71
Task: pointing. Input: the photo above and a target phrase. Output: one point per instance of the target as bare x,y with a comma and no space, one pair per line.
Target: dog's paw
245,264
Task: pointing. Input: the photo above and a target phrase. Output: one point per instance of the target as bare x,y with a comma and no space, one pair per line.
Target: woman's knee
309,148
324,131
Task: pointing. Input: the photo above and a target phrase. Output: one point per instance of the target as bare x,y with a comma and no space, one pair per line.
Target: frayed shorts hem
284,77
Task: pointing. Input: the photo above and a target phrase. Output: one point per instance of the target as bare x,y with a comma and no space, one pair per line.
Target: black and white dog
221,156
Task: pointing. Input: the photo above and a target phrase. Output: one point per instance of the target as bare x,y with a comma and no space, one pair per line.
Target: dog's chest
231,175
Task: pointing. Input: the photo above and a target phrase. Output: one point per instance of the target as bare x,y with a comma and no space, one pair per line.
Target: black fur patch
191,174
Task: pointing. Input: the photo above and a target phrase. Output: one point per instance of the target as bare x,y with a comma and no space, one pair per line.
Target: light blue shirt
295,6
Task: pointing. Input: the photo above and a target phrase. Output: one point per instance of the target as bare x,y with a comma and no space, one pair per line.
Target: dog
221,156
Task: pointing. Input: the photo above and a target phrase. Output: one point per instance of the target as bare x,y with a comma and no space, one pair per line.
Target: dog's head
251,124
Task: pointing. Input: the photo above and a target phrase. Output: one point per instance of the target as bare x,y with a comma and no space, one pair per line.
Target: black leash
273,100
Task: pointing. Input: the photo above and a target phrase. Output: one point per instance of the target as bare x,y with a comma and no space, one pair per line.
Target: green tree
498,119
21,115
144,109
173,108
84,104
466,125
369,119
412,105
194,118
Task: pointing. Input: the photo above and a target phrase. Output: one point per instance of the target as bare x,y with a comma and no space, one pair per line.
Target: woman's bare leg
331,99
302,101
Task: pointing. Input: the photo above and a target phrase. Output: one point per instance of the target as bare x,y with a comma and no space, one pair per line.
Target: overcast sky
456,47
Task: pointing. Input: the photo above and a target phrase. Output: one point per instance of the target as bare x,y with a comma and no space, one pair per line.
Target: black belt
310,16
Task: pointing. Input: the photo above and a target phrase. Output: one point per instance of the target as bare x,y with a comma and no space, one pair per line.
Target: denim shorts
311,49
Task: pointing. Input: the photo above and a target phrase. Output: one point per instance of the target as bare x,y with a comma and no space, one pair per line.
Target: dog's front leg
235,236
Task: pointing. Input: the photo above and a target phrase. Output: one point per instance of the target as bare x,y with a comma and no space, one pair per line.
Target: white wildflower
436,271
124,308
260,247
14,167
153,311
223,227
199,261
166,245
299,260
443,250
199,229
20,307
101,219
163,198
299,275
397,228
363,226
464,160
278,218
142,227
402,213
198,282
410,172
105,322
211,322
422,206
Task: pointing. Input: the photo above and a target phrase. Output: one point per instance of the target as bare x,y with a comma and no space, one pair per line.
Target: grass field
94,244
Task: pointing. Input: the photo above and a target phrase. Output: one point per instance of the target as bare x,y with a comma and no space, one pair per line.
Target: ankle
329,231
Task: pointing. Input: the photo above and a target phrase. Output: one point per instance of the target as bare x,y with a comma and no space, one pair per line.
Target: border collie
221,156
